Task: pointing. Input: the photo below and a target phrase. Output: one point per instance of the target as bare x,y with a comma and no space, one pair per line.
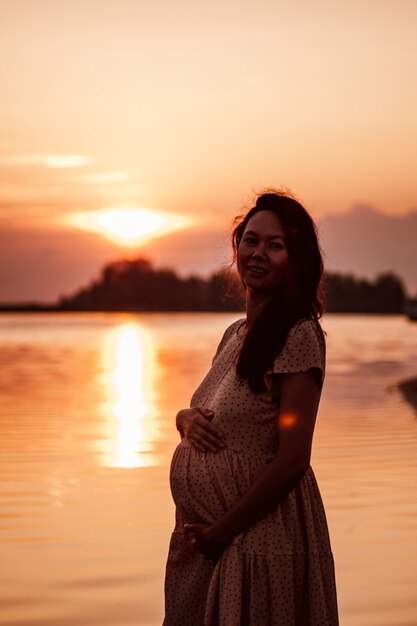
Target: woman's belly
205,485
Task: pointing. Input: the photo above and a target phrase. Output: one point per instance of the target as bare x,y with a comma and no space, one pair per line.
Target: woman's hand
205,538
195,424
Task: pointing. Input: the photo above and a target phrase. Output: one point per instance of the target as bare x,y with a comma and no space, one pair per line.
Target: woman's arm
299,396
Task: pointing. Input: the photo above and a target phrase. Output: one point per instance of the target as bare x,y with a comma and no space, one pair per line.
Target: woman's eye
276,245
250,240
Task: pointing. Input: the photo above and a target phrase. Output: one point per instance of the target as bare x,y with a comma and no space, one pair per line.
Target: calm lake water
88,403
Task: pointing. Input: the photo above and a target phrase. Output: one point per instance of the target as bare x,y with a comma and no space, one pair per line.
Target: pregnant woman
251,545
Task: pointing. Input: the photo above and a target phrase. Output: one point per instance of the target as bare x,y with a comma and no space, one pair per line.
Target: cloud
67,160
37,185
42,264
367,242
46,160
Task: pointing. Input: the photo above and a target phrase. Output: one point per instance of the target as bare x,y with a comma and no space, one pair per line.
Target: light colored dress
279,572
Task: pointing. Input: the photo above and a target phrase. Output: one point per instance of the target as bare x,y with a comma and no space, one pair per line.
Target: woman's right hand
195,424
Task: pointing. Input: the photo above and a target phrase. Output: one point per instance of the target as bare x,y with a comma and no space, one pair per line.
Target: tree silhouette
135,285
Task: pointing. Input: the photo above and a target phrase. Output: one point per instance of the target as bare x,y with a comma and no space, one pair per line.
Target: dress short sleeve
304,349
227,334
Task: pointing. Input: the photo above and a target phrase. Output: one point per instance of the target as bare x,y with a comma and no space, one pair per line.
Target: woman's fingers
204,436
199,536
203,443
210,430
199,446
213,429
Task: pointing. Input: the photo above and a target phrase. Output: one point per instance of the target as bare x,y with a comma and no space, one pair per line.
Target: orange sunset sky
184,109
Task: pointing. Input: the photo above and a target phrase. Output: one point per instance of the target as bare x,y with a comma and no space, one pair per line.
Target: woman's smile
256,269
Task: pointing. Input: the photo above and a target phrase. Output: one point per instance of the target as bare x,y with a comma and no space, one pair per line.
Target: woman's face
262,256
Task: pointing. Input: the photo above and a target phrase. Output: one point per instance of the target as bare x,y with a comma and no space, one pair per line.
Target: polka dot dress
279,572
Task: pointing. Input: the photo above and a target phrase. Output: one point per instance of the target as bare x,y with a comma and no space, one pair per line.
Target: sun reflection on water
129,371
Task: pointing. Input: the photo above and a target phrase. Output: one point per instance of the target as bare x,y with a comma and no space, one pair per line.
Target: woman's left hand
204,538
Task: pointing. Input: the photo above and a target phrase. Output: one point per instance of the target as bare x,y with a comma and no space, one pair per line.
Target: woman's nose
258,253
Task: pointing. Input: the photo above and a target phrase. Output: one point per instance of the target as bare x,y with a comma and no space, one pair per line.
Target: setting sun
127,225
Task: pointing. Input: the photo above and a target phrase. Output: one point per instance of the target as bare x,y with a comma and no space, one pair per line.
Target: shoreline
52,308
408,389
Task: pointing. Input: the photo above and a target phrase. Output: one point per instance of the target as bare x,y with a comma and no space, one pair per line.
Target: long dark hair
300,295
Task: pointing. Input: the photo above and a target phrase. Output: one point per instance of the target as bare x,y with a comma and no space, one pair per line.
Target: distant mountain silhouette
368,243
